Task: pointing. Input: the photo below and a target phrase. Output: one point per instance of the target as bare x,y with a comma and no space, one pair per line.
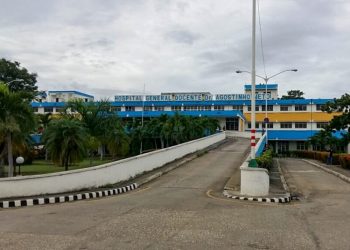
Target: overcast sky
106,48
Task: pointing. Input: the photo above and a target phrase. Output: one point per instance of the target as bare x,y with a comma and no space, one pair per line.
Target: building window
284,108
286,125
321,124
57,99
237,107
300,108
283,146
35,110
48,110
116,108
269,125
301,145
59,110
204,108
176,108
317,147
86,100
129,108
320,107
250,108
269,107
250,125
190,108
300,125
158,108
219,107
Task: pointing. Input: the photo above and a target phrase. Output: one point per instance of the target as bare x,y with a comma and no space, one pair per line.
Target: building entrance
232,123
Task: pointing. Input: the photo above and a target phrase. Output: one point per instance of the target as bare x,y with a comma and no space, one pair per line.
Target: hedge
338,159
265,160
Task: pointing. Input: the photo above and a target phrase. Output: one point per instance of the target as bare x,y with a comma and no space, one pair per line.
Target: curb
67,198
283,180
283,199
88,195
97,194
341,176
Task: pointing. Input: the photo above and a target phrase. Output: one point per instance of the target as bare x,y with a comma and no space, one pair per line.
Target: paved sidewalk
336,168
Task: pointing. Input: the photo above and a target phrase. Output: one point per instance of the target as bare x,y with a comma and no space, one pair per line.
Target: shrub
320,156
344,161
265,160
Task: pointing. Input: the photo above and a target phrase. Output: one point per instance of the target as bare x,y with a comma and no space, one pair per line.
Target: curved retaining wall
109,173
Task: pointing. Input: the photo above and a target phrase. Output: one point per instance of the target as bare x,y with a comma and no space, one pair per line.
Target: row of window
195,108
288,125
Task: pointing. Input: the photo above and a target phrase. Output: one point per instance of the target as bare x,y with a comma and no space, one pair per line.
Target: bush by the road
265,160
338,159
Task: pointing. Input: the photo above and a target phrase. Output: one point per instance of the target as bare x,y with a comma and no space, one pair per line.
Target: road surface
178,211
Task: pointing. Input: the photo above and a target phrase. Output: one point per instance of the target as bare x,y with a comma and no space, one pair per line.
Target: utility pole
252,162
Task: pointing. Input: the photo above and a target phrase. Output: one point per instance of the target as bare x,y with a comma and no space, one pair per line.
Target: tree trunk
2,164
9,154
101,152
46,154
66,163
161,142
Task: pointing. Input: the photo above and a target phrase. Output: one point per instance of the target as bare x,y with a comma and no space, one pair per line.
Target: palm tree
44,120
66,141
118,142
97,117
16,117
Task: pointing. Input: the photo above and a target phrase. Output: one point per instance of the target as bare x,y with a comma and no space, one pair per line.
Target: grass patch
46,167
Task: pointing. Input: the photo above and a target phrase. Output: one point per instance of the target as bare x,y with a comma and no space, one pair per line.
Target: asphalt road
178,211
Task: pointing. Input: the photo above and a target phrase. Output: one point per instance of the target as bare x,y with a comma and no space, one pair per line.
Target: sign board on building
189,97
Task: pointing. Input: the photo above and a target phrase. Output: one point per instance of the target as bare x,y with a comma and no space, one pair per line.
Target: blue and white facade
291,122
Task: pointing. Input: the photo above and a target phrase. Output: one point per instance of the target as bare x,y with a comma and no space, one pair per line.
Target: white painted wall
100,175
242,134
254,181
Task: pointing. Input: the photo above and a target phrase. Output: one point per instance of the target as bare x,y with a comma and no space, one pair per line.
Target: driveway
183,210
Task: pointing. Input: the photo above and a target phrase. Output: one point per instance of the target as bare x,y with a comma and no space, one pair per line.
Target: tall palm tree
16,116
118,142
43,121
97,117
66,141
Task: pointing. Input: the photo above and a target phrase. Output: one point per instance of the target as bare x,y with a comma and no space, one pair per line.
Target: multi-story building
290,121
55,100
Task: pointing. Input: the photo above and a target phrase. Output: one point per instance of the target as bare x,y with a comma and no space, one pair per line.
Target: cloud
115,47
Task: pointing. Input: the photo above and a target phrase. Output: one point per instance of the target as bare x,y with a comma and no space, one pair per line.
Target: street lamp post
266,79
19,162
252,162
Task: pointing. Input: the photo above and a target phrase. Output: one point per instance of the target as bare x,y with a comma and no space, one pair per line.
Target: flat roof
70,91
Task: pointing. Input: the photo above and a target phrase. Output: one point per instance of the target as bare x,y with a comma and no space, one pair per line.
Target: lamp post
266,79
19,162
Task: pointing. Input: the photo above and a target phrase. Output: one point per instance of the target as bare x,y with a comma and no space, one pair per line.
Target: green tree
293,94
43,121
12,71
342,104
16,117
66,141
324,139
97,117
118,143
